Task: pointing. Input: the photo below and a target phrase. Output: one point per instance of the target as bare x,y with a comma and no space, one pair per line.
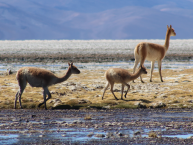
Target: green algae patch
125,106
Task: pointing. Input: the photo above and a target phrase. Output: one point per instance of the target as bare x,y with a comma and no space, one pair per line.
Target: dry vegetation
85,91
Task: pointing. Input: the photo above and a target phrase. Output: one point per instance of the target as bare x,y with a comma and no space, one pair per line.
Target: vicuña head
152,52
121,76
38,77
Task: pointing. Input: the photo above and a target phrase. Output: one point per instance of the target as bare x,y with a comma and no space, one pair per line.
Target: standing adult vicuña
121,76
152,52
38,77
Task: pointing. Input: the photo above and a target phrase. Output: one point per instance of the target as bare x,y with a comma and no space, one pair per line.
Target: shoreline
82,58
86,50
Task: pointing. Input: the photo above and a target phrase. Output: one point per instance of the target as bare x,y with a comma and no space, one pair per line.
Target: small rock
33,116
109,135
96,96
162,96
42,135
76,122
158,105
53,122
98,86
116,90
108,124
137,133
186,81
106,107
63,122
100,135
84,101
73,88
63,135
90,134
190,101
120,134
126,136
140,105
133,91
96,126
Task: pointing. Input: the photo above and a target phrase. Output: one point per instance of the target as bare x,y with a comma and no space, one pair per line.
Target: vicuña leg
152,67
141,64
16,96
106,86
122,89
159,66
22,85
128,87
112,84
46,91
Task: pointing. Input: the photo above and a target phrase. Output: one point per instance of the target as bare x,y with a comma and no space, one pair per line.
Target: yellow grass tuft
152,134
88,117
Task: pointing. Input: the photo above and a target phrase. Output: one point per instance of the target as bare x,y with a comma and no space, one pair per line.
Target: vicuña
38,77
152,52
121,76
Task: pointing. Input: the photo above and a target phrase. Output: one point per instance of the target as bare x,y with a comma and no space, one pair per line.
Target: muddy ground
97,126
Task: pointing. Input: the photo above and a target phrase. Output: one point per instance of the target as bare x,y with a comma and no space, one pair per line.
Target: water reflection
96,66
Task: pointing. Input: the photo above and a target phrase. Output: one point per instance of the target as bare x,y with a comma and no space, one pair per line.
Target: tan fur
152,52
38,77
121,76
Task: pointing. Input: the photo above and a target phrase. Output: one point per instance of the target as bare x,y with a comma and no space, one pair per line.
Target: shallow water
104,125
96,66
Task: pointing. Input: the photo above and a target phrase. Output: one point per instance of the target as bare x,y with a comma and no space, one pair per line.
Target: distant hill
94,19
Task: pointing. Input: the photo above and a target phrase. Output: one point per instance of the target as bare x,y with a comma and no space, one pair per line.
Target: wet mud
104,126
81,58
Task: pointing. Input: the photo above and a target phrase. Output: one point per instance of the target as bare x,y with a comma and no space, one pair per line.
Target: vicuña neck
65,77
167,39
136,75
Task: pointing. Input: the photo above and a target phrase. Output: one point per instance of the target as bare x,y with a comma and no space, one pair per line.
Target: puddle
80,135
8,138
77,135
184,136
106,125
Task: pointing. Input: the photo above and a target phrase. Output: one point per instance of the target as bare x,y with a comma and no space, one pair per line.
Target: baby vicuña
121,76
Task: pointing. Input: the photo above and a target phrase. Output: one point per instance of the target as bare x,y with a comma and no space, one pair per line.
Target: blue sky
91,19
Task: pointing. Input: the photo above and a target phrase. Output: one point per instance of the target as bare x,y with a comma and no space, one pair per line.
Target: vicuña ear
71,63
167,26
170,26
68,63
